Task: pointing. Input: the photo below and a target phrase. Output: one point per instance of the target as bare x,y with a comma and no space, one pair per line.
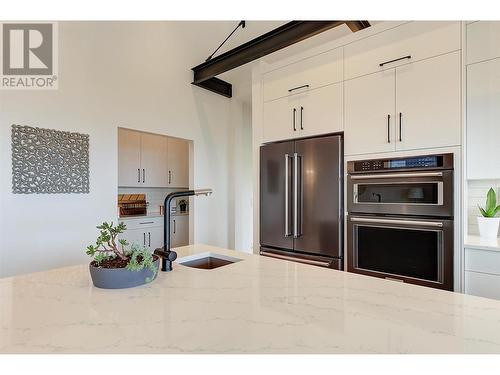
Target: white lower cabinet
369,113
147,232
179,229
482,273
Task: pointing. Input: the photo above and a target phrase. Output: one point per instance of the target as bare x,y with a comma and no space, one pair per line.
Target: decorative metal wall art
49,161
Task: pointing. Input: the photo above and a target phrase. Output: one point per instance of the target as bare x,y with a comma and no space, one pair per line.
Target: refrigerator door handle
287,198
296,192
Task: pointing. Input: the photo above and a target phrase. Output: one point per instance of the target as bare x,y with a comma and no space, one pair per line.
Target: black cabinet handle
174,226
388,128
144,240
391,61
298,87
143,175
301,111
149,234
138,174
169,177
294,112
400,127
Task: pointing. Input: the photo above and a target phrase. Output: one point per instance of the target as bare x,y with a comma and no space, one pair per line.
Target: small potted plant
488,223
116,264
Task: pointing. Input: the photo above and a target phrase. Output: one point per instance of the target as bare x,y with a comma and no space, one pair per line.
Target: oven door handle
395,175
418,223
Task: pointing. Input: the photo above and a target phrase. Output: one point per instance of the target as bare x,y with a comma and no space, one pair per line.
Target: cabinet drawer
482,284
483,41
482,261
316,71
143,222
419,39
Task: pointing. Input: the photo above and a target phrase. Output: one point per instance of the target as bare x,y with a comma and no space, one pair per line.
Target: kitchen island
257,305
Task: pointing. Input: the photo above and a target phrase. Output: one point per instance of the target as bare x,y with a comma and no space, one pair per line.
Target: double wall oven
400,219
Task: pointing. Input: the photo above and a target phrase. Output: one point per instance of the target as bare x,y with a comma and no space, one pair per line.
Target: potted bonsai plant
488,223
116,264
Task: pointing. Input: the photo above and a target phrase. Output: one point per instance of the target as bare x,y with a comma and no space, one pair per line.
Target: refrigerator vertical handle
287,198
295,195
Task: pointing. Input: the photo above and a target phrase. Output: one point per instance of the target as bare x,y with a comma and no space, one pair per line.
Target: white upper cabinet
129,158
153,160
178,163
307,74
409,42
428,103
483,120
483,41
313,112
280,119
369,113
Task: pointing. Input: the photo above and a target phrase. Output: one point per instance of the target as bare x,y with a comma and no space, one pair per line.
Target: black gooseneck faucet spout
165,253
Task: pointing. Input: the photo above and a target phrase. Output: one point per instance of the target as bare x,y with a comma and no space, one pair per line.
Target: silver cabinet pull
294,126
297,88
418,223
400,127
138,174
295,195
388,128
301,118
382,176
294,259
287,208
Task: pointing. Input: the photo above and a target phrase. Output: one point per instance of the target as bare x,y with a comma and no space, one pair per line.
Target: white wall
131,74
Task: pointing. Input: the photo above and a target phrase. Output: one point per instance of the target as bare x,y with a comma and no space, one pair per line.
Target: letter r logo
27,49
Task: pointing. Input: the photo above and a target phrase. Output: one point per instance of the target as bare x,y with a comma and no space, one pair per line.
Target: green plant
107,248
491,208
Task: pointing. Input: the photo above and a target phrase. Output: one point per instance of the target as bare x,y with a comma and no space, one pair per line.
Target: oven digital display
427,161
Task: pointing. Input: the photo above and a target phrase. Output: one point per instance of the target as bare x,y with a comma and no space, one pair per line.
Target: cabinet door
320,111
154,238
310,73
153,160
280,116
412,41
483,114
428,103
369,113
136,236
483,41
180,230
178,163
129,158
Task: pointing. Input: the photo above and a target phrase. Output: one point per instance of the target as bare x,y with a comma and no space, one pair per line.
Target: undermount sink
207,261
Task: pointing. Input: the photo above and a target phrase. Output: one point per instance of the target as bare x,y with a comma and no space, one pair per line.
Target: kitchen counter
258,305
477,242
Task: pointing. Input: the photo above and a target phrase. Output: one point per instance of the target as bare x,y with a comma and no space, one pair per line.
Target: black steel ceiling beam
281,37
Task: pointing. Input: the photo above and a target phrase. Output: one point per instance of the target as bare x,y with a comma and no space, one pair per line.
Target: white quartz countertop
258,305
477,242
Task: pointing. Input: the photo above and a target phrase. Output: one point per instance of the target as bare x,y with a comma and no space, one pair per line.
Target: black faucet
165,253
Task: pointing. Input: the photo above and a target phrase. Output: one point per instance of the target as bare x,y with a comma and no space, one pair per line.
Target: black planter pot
120,278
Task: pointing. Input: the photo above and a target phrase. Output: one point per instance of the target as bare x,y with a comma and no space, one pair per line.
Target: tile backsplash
154,196
477,190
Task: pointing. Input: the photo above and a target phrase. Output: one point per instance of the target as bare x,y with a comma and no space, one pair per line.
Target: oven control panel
444,161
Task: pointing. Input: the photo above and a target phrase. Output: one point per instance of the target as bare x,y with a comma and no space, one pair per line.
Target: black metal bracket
281,37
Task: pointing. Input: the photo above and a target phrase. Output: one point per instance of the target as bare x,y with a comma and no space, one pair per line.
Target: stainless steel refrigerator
301,213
